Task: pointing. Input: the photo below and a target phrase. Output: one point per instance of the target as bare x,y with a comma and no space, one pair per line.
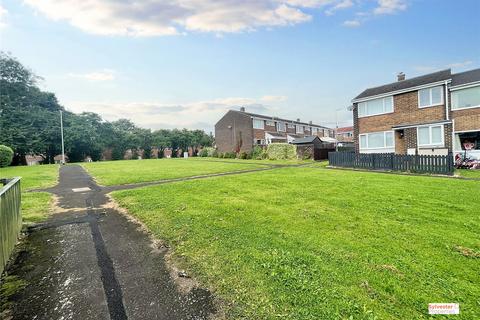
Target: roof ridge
414,78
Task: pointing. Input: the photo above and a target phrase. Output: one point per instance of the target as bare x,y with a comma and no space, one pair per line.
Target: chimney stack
400,76
310,122
298,119
242,109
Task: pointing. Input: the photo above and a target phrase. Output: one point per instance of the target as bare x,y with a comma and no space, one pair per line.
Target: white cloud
160,17
436,67
3,16
155,115
274,98
460,64
103,75
390,6
352,23
339,6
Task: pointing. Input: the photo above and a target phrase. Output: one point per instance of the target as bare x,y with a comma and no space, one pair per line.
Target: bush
6,156
230,155
281,151
203,153
244,155
258,153
215,153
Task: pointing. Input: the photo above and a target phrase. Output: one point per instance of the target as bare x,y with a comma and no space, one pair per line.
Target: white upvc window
258,124
466,98
430,136
270,123
314,130
291,126
430,97
299,129
377,140
375,107
281,126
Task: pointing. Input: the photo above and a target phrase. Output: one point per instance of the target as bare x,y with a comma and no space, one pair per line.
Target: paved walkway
91,262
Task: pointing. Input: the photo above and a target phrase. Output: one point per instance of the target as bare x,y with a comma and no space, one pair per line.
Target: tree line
30,125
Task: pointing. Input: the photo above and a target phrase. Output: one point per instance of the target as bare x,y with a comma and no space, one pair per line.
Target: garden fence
394,162
10,218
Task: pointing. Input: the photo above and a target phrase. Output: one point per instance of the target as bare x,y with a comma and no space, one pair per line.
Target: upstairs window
299,129
466,98
430,97
314,130
280,126
429,136
375,106
270,123
258,124
291,126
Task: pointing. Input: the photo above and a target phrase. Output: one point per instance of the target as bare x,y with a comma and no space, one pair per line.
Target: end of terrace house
240,131
433,114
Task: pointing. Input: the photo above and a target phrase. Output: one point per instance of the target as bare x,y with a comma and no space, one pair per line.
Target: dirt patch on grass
467,252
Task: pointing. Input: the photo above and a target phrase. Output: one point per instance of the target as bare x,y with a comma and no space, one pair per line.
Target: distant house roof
466,77
328,139
275,135
255,115
344,129
306,140
405,84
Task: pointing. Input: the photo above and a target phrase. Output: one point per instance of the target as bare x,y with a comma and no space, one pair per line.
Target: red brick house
240,131
344,134
433,114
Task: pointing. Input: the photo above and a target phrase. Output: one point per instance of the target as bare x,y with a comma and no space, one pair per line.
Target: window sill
432,105
466,108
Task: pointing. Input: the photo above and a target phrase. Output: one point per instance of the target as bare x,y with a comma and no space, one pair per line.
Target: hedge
281,151
6,156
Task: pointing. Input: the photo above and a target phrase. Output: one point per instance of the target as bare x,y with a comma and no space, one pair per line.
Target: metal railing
10,217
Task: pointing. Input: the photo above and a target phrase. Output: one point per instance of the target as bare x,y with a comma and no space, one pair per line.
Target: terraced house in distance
240,131
433,114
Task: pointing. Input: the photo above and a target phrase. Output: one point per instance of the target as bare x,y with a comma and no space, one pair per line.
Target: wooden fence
393,162
10,218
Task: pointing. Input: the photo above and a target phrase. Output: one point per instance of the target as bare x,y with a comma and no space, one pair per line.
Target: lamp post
61,132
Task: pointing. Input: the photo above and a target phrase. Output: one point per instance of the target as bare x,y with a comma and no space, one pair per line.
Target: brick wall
406,111
227,139
467,119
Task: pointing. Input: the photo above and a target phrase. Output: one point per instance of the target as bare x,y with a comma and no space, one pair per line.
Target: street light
61,132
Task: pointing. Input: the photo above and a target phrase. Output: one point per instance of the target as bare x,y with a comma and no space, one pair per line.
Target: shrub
215,153
6,156
281,151
258,153
243,155
203,153
230,155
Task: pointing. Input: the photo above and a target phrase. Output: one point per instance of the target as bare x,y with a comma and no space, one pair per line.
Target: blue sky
183,63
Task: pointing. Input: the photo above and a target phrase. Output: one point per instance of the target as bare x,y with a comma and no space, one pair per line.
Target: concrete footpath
90,262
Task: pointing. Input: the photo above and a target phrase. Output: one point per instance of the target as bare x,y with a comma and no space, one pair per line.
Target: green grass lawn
132,171
312,243
35,205
468,173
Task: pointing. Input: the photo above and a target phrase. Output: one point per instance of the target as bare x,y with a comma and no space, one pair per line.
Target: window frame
430,144
430,89
270,123
461,89
263,124
284,126
378,113
299,126
384,140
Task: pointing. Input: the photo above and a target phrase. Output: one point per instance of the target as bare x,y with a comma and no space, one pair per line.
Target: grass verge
133,171
35,205
303,243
